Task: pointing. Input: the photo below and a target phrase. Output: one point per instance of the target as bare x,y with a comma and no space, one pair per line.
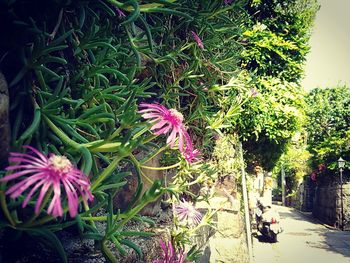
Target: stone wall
327,205
307,194
226,242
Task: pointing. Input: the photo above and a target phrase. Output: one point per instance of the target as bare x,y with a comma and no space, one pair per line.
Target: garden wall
327,205
226,242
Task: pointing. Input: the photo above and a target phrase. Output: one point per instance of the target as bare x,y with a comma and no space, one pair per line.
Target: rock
4,122
125,195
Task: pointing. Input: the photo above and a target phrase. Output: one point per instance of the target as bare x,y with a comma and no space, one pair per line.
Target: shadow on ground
262,239
333,240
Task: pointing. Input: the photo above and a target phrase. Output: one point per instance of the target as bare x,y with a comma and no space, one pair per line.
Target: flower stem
115,133
61,135
147,178
161,168
154,155
116,3
87,208
106,172
108,253
98,218
150,138
87,164
149,196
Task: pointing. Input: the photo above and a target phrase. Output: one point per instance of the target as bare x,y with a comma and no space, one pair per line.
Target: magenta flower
170,122
47,173
166,121
228,2
168,255
186,212
197,39
191,155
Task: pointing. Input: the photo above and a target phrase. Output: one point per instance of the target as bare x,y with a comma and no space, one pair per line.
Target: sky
328,62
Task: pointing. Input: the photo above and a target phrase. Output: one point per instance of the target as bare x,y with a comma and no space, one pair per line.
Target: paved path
304,240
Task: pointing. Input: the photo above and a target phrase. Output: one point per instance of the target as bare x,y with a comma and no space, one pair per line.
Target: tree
328,125
275,46
277,43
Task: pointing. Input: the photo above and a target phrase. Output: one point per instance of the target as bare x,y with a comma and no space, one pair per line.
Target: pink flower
192,155
169,256
166,121
47,173
170,122
185,211
198,40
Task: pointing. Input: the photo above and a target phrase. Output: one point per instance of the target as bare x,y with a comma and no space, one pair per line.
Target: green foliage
275,44
328,125
277,41
295,162
77,72
225,157
276,112
270,119
266,46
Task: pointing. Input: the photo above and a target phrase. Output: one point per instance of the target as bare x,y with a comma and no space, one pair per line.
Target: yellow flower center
60,163
177,115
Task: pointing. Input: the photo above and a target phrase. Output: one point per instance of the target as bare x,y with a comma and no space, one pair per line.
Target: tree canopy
328,125
276,42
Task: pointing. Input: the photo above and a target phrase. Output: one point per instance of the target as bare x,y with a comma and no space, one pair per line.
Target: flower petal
29,196
43,191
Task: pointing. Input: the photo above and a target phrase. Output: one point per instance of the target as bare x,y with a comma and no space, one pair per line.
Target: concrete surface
304,240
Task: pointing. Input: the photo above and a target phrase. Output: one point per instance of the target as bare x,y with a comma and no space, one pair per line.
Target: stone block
228,250
203,234
222,203
229,224
225,242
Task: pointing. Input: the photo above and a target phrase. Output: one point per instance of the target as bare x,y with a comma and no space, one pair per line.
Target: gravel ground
28,250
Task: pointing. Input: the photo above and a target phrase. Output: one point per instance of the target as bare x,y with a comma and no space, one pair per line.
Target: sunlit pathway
303,240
